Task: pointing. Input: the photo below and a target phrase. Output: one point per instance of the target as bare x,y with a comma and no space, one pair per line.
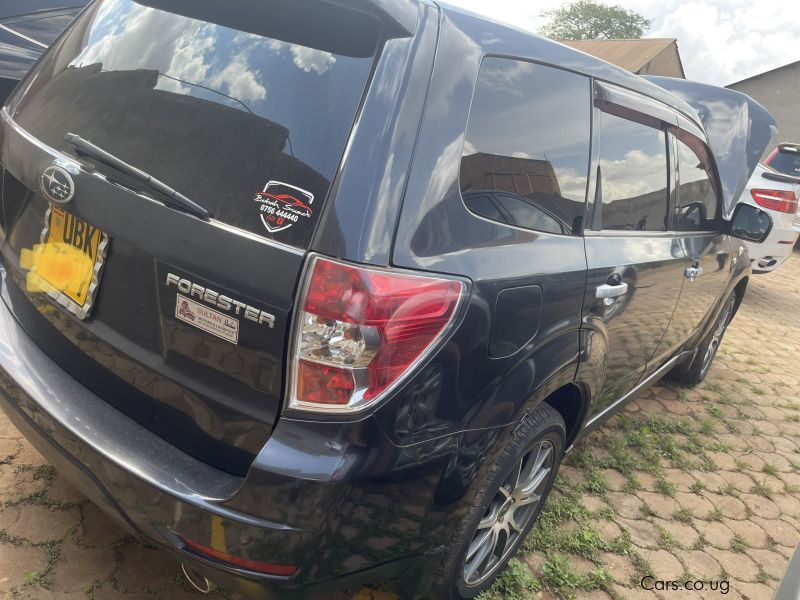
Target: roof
632,55
787,66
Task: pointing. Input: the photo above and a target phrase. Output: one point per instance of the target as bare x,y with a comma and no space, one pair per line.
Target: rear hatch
178,321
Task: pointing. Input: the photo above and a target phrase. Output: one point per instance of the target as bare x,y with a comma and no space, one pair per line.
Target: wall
778,91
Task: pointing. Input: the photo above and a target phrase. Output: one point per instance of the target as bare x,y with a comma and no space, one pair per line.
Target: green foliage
514,583
589,20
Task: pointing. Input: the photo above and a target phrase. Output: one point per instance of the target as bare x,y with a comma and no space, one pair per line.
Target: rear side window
633,175
697,208
786,161
246,114
526,153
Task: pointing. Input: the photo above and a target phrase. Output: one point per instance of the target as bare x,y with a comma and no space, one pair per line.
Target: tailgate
179,322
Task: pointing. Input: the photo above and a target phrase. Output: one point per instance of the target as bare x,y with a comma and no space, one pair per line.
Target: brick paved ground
701,484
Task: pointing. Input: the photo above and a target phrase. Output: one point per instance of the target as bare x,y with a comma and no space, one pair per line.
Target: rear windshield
786,161
229,109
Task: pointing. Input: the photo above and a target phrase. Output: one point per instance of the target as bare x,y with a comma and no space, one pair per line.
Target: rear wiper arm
87,148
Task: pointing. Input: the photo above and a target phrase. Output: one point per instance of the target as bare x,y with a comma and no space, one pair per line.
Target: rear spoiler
346,27
781,177
738,128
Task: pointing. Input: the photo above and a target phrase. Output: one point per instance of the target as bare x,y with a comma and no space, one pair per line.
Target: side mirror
750,223
691,216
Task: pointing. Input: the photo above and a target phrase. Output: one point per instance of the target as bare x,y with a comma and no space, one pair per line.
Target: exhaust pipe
197,581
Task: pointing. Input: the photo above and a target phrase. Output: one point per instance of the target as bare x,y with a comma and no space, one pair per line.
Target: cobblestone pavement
699,484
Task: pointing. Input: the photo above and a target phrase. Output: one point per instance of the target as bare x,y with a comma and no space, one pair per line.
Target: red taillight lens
361,329
780,200
320,384
237,561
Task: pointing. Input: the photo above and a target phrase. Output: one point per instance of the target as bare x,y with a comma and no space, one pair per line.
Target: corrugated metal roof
632,55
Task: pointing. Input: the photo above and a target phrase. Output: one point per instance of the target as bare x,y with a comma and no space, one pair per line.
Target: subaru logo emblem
57,185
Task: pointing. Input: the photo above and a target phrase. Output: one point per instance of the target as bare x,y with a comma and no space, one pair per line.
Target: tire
692,373
503,508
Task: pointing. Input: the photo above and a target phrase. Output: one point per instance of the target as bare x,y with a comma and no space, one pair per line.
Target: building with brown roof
652,56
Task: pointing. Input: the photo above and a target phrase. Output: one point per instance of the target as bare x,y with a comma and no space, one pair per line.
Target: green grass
770,469
632,484
683,515
665,539
665,486
559,577
516,582
597,483
698,486
762,489
33,577
729,490
738,544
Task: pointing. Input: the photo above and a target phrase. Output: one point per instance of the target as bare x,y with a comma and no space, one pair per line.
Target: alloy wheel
509,513
716,336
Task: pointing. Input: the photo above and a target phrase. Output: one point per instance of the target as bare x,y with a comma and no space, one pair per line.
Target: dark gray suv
311,293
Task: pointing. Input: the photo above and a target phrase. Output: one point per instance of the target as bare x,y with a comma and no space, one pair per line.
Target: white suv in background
777,194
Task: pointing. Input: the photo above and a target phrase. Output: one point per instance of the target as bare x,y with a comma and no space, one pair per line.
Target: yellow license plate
68,263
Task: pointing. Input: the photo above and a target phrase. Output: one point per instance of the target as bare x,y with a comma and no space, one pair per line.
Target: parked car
776,194
785,159
246,310
27,28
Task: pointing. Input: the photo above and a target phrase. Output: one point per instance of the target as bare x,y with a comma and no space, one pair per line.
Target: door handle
692,273
611,291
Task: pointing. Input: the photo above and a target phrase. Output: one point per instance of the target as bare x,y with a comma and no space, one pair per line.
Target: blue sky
720,41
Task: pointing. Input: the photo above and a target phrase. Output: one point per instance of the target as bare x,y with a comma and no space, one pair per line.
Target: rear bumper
160,494
774,251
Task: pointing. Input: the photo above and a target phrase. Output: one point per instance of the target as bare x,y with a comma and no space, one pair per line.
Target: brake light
780,200
360,331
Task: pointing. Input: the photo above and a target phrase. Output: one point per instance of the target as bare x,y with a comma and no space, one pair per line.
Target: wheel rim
511,510
716,337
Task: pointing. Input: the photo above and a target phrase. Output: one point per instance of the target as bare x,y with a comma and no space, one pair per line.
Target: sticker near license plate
207,319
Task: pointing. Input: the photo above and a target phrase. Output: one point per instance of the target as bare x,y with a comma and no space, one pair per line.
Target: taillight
237,561
780,200
360,331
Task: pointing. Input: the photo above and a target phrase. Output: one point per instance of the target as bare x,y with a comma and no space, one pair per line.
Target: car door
697,221
635,263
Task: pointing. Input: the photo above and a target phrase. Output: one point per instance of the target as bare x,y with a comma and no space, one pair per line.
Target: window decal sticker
282,205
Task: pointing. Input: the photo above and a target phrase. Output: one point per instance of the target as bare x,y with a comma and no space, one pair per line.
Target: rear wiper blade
87,148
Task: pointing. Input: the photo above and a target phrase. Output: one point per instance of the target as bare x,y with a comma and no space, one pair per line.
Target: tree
590,20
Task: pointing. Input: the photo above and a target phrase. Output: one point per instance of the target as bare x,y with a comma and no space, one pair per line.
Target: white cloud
307,59
720,41
240,80
636,174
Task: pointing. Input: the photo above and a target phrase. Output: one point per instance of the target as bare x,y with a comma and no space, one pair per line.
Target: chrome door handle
692,273
611,291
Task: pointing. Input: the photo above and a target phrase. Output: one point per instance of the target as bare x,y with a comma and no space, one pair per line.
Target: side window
697,208
634,175
527,146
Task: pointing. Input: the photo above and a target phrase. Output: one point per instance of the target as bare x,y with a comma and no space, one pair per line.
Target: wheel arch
739,289
571,403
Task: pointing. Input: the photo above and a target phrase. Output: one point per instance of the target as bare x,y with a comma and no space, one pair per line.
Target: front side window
697,208
526,153
633,175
